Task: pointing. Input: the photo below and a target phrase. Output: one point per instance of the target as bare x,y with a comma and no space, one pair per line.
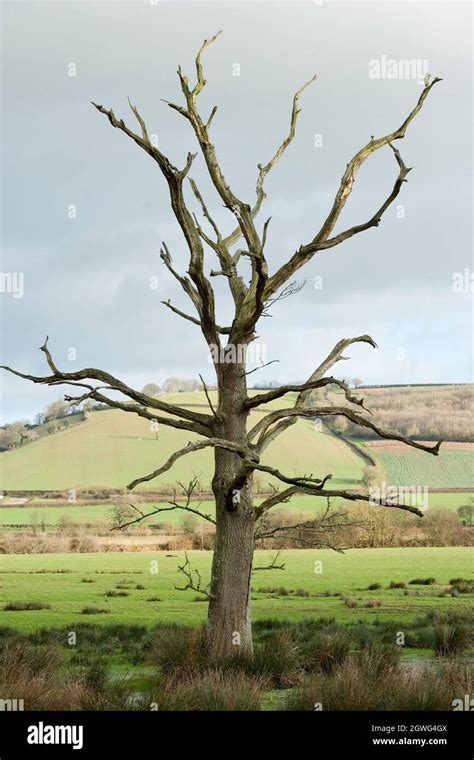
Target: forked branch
322,239
193,577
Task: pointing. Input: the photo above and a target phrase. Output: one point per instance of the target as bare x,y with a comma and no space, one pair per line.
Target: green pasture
57,579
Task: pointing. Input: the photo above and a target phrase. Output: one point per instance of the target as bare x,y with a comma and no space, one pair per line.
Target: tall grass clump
324,652
375,680
211,690
451,637
276,660
179,651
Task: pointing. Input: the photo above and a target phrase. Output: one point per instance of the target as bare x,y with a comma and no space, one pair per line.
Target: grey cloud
87,280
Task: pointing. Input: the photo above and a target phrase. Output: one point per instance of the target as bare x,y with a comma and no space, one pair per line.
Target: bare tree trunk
229,622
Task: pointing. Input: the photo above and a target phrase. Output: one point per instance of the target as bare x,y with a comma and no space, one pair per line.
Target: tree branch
193,585
335,411
192,446
188,492
302,481
273,564
264,398
189,318
320,241
332,358
175,178
327,494
201,421
374,221
264,169
208,397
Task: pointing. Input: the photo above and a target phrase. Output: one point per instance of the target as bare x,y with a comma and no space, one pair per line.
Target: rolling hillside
112,447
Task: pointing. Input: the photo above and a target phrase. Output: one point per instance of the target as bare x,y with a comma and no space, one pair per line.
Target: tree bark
229,628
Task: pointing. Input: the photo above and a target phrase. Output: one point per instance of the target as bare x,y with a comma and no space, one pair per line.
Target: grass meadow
70,582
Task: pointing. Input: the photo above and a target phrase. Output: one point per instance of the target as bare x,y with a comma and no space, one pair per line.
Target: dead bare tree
237,450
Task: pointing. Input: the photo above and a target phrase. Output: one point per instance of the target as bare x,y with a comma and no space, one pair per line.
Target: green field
38,578
410,467
111,448
35,514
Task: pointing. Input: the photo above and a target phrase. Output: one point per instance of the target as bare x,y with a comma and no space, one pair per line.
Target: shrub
463,587
30,675
374,587
423,581
397,584
428,689
21,543
422,638
373,603
359,683
116,593
83,544
94,672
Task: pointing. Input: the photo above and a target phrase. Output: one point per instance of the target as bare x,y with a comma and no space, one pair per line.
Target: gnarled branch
320,241
192,446
197,422
194,578
331,494
341,411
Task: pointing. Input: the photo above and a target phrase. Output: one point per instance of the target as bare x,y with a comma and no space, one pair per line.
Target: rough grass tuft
22,606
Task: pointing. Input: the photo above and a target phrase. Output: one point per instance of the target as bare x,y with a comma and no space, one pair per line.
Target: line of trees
175,385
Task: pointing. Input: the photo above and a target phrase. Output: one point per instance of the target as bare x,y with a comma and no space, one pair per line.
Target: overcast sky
87,280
